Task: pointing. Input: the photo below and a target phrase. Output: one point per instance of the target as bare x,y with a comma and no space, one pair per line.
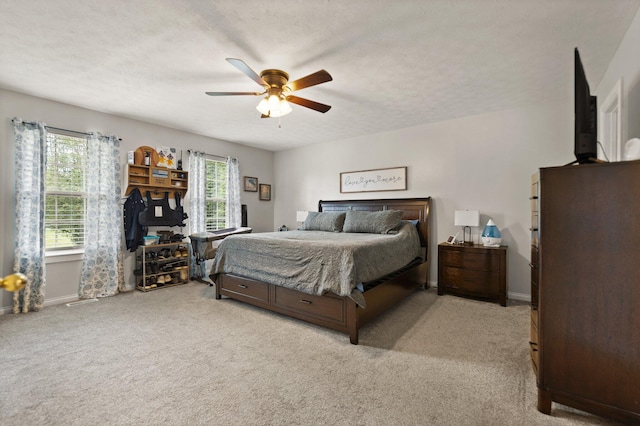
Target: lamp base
466,242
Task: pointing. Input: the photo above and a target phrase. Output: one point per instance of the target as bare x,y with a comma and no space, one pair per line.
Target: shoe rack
161,265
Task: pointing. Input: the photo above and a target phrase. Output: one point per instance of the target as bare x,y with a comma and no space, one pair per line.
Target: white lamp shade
467,218
263,107
301,215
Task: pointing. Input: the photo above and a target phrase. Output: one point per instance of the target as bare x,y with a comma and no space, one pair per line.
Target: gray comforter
315,262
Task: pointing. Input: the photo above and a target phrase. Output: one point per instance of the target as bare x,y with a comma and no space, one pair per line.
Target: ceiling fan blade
309,104
233,93
246,70
317,77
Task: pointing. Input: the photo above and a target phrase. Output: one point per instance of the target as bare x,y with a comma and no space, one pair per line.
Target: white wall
63,276
483,162
625,65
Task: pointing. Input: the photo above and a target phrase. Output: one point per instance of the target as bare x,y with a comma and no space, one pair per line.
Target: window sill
63,256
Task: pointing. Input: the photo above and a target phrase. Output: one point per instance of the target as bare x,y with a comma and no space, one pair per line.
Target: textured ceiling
395,63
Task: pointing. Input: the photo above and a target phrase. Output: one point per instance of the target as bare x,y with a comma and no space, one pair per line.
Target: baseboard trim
47,302
519,296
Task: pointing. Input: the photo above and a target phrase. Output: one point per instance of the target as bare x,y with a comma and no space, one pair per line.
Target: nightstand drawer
477,261
471,280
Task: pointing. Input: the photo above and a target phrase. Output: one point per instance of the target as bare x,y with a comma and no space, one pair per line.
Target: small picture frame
265,192
250,184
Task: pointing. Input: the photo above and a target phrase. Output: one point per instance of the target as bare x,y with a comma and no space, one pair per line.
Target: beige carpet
178,356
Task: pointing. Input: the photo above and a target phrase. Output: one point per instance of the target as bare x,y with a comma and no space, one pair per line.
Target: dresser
534,265
585,267
473,271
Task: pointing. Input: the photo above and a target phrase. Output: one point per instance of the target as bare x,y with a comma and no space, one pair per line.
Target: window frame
72,250
221,181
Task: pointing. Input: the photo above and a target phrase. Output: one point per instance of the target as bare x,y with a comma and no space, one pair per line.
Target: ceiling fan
278,89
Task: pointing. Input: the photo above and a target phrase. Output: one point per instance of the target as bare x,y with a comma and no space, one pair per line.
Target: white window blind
65,192
216,194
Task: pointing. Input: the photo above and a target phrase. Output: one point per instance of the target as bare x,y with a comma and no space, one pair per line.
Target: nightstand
473,271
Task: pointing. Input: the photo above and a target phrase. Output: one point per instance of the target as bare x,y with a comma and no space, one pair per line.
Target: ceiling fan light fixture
274,106
263,107
285,108
274,103
278,89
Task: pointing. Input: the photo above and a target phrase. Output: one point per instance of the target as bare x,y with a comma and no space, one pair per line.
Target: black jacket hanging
133,230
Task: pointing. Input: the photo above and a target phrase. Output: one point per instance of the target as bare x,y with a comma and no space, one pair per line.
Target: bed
309,292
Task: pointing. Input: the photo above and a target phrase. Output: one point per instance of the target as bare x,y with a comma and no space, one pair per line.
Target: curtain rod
62,130
210,155
70,131
66,130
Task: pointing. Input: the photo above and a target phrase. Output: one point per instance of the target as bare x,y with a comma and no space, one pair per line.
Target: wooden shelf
158,180
158,262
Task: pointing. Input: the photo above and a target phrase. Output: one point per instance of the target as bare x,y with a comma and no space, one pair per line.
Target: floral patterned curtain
102,266
30,159
197,204
234,209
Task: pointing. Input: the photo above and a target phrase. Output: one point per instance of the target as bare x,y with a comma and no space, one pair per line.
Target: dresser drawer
535,358
535,275
534,326
245,288
327,308
478,261
471,280
535,256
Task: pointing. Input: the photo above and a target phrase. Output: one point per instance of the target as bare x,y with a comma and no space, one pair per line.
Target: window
216,195
65,192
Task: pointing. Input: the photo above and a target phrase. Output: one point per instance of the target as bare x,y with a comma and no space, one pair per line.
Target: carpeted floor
178,356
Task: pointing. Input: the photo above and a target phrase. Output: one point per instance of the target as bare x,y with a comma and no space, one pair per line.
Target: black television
586,116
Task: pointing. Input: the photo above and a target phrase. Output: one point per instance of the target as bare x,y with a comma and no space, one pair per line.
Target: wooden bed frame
336,312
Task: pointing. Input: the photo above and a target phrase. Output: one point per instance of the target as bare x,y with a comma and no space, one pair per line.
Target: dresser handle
242,286
306,302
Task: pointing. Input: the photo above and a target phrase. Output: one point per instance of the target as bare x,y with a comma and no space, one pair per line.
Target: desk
201,241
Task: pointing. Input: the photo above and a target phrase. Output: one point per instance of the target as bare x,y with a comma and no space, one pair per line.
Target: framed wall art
166,157
250,184
391,179
265,192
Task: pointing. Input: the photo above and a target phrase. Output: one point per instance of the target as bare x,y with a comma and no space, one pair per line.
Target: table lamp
467,219
301,216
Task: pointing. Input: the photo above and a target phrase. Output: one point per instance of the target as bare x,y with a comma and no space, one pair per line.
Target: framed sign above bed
391,179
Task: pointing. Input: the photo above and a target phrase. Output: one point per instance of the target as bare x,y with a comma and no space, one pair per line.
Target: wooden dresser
586,345
535,268
473,271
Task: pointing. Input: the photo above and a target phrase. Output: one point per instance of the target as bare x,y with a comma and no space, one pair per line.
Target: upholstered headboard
413,208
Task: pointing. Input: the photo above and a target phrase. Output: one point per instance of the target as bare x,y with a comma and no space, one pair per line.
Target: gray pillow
380,222
324,221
